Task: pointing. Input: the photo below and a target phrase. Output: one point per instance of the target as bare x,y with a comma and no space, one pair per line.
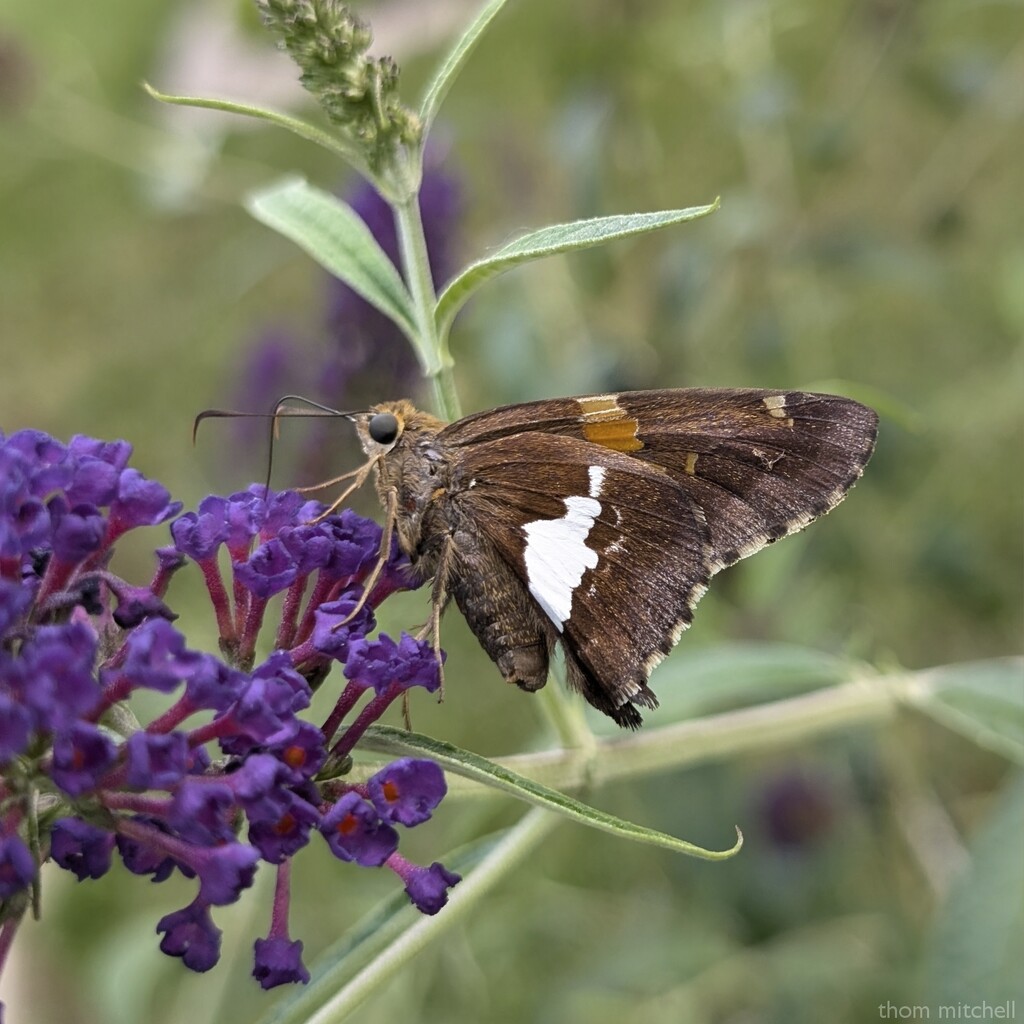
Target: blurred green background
869,158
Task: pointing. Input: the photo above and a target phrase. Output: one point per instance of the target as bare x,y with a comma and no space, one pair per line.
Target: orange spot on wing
618,434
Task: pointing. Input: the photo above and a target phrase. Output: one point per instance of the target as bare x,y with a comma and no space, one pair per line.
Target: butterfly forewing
761,464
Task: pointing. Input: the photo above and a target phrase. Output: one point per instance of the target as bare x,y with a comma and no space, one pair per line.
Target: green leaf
309,132
982,700
549,241
977,943
386,739
338,239
453,63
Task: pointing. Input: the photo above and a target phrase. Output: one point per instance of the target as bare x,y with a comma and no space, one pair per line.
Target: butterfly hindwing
612,550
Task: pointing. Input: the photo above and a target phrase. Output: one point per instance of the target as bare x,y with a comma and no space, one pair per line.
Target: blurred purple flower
797,810
368,357
275,363
15,720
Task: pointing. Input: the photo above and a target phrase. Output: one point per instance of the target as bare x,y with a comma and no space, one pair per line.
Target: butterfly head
399,442
393,426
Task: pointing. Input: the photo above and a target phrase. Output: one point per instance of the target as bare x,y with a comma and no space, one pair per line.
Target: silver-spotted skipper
598,522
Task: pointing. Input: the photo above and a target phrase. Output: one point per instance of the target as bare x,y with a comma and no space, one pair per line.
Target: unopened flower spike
358,93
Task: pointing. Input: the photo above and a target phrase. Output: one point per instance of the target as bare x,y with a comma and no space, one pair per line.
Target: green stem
446,399
416,268
564,712
781,723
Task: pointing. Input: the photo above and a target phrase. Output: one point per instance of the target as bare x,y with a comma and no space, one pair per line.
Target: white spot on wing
597,474
557,556
776,406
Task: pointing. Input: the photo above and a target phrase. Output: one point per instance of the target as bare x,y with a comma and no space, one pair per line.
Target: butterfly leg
438,599
383,554
360,476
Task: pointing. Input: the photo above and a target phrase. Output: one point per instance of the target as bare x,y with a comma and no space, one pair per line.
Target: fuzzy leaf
305,130
453,63
550,241
338,239
386,739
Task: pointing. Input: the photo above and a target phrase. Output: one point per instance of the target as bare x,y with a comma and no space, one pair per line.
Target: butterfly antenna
282,408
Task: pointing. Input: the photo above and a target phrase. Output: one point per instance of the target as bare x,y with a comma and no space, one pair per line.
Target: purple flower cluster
76,641
277,542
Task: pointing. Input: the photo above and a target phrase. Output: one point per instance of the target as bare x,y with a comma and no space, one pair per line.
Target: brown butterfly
598,522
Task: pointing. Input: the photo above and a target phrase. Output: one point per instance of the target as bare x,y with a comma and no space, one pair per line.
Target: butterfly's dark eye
383,427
